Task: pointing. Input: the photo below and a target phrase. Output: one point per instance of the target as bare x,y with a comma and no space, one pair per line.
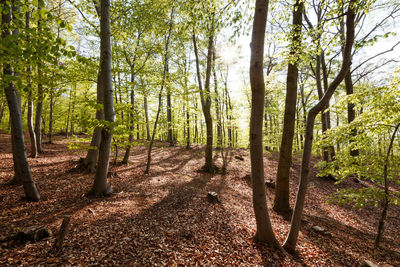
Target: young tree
281,201
164,83
264,231
29,118
205,96
100,185
291,240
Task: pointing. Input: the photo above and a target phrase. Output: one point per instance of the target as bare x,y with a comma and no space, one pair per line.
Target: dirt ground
165,219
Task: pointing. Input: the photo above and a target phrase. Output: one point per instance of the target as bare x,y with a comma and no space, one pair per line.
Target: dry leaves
164,218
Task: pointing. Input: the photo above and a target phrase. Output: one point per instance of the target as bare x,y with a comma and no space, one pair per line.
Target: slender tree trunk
2,108
325,152
100,185
39,104
30,102
351,113
264,231
51,117
281,201
163,84
132,119
187,109
196,127
146,115
205,98
69,112
170,138
217,105
386,200
291,240
22,172
327,113
72,110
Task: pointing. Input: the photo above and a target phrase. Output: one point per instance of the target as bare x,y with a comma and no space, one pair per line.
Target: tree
264,231
22,172
164,83
281,201
100,185
29,118
39,103
291,240
205,96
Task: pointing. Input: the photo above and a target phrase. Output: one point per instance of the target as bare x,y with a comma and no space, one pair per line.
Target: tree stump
58,244
270,183
213,197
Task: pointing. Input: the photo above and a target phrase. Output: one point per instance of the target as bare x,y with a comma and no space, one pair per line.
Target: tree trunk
30,103
330,149
163,83
196,127
72,110
281,201
291,240
386,200
92,155
264,231
187,109
351,113
132,119
100,185
170,138
22,172
51,118
217,105
2,108
146,115
39,104
205,98
68,113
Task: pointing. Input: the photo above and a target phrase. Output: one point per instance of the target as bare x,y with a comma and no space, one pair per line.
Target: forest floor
165,219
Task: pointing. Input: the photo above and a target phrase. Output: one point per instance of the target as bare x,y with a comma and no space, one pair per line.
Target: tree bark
281,201
100,185
264,231
92,155
291,240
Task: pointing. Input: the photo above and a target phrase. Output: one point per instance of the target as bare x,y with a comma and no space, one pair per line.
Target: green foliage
380,113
